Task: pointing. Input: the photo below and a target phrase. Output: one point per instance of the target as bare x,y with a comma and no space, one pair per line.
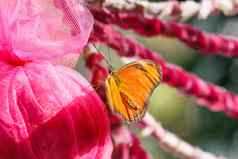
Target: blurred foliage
213,132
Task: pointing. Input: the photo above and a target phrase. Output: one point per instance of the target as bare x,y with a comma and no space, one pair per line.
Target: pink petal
36,29
50,112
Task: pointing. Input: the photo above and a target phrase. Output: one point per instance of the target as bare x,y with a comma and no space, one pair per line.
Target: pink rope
211,96
171,143
168,141
205,42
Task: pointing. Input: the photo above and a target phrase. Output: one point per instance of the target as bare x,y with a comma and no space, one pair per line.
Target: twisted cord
168,141
205,42
171,143
173,10
209,95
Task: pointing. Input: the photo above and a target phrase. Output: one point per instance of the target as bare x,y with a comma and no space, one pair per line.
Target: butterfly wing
129,88
113,96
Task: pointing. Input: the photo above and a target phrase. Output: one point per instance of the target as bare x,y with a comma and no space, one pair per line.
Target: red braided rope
213,97
205,42
163,136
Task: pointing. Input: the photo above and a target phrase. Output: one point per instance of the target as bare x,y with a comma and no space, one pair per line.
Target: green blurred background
213,132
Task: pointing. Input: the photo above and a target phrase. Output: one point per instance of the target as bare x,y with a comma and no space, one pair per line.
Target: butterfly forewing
129,88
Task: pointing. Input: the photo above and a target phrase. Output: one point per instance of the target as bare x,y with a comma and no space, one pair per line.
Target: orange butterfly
128,89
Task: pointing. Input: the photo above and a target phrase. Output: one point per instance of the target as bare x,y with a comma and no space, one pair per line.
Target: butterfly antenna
105,58
108,54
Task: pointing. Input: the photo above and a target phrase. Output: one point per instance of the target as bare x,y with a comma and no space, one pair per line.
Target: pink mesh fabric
36,29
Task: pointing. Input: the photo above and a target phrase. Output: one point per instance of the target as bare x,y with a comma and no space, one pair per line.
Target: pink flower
47,111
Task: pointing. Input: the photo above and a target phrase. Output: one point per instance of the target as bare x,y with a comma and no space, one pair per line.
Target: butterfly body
129,88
